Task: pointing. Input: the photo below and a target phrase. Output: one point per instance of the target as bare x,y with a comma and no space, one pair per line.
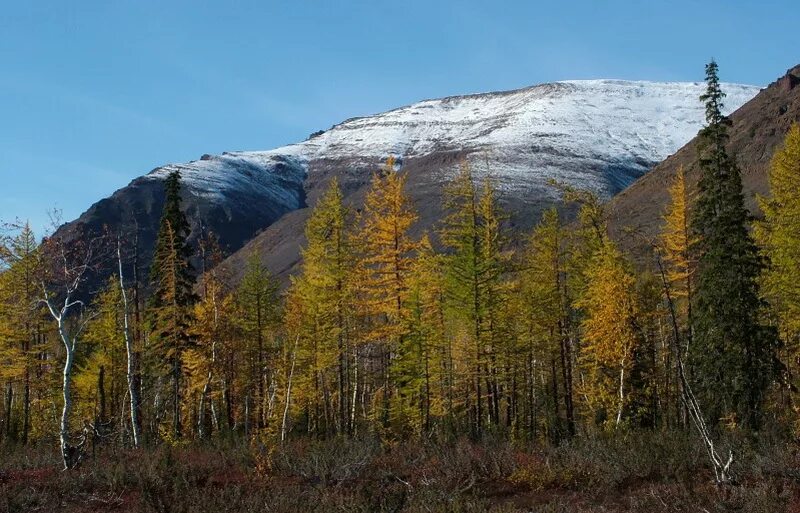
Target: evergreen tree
172,280
734,358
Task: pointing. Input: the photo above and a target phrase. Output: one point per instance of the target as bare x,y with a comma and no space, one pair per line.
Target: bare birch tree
66,265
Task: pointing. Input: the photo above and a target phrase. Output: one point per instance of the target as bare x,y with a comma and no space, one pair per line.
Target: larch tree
545,307
610,335
475,267
386,256
779,235
323,301
23,318
257,315
212,330
100,382
675,259
735,353
678,242
424,365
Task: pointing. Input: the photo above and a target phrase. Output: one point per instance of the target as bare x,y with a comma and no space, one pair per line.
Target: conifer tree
386,256
171,280
678,241
735,353
779,235
424,367
22,316
322,305
475,268
258,313
610,335
545,311
100,383
212,330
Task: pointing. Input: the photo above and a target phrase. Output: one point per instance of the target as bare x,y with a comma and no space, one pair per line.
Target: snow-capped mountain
593,134
596,134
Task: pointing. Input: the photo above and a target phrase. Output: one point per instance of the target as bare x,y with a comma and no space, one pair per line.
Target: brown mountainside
759,127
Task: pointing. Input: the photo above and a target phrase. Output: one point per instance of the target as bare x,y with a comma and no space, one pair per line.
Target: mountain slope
597,134
758,128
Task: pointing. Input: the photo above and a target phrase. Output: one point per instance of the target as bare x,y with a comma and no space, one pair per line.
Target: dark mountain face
759,127
233,214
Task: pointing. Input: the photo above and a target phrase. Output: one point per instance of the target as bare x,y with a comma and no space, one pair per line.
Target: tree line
458,332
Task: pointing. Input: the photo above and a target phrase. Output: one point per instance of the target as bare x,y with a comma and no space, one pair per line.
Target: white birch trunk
66,390
132,391
621,391
289,391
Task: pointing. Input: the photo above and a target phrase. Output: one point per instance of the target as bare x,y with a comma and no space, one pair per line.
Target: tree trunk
68,454
26,402
9,404
101,392
133,390
176,397
288,392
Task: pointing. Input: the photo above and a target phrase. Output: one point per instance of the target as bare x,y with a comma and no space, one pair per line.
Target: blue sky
93,94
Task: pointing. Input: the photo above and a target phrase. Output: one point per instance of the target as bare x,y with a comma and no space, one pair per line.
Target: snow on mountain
595,134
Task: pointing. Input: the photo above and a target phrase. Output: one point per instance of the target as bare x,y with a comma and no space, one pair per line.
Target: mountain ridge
595,134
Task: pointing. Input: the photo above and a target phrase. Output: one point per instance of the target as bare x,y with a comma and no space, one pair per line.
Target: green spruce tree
734,358
171,280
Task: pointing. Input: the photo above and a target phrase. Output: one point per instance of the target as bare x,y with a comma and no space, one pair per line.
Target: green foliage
320,312
476,265
103,353
257,315
733,353
396,347
172,297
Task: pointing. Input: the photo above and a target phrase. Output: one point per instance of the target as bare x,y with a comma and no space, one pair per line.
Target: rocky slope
597,134
758,128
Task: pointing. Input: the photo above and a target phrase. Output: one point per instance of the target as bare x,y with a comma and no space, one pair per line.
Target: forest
472,368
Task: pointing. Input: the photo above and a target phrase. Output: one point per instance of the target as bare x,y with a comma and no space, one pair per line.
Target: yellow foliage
610,334
677,240
779,235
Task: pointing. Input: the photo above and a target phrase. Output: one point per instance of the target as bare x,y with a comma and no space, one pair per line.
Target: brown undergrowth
634,472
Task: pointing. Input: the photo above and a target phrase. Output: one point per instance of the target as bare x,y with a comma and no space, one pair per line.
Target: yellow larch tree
677,241
610,335
319,315
779,236
386,257
545,320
